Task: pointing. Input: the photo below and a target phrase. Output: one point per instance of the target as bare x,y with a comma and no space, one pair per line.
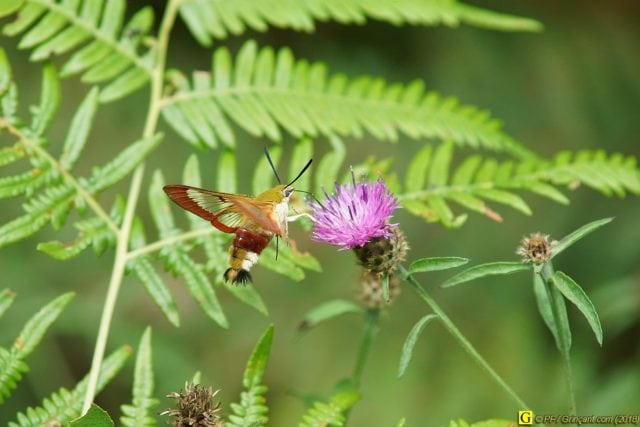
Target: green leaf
49,100
327,311
122,86
123,164
65,405
439,172
545,307
8,7
574,293
282,265
385,287
6,299
401,422
79,130
581,232
416,175
257,363
159,203
95,417
327,170
483,270
410,342
5,72
302,152
139,412
156,288
331,413
248,295
36,327
227,175
436,264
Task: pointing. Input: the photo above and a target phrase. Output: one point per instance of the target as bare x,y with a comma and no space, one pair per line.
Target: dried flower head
369,289
195,407
354,215
536,248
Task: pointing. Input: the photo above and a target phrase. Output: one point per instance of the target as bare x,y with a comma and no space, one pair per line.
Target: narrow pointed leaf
581,232
410,342
49,100
327,311
7,297
436,263
574,293
417,171
156,288
35,328
227,175
79,130
257,363
545,307
484,270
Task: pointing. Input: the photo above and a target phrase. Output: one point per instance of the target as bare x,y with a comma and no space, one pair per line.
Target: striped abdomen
244,252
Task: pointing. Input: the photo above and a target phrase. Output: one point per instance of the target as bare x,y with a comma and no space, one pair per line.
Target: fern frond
49,184
210,20
106,49
12,364
64,405
330,413
264,92
430,186
138,414
252,410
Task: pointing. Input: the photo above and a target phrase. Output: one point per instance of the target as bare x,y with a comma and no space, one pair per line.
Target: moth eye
288,191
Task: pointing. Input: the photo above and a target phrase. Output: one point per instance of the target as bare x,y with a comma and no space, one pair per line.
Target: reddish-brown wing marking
225,211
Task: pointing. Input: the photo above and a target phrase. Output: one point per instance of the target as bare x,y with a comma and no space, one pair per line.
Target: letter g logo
525,418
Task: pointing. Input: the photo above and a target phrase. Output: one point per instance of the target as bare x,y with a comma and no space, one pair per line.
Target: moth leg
300,215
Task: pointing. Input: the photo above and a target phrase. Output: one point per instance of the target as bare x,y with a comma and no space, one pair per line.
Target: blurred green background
573,86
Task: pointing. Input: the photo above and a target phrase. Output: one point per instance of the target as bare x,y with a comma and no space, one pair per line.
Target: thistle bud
369,289
536,248
195,407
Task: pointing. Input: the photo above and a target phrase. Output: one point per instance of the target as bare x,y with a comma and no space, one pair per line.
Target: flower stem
122,245
462,340
562,325
370,330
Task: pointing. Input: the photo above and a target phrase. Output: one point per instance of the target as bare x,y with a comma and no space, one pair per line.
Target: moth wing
260,213
216,207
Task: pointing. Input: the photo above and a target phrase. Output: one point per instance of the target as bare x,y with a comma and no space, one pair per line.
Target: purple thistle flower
354,215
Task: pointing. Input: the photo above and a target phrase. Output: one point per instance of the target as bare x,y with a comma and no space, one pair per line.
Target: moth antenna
273,168
304,169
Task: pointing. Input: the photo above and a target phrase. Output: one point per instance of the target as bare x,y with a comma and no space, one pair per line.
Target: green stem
370,330
462,340
559,318
122,246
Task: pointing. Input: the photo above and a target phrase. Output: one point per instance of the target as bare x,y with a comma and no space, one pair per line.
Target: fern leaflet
330,413
265,91
12,364
210,20
106,49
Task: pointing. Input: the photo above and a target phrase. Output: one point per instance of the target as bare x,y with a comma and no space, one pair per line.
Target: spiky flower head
536,248
383,254
369,289
195,407
354,215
